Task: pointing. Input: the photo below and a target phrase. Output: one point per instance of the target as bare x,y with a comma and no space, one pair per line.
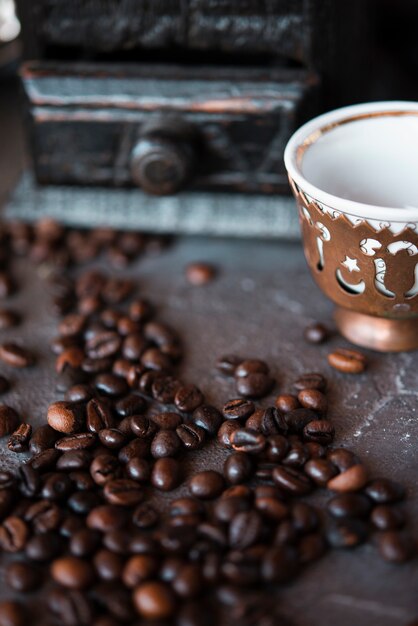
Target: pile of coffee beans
80,521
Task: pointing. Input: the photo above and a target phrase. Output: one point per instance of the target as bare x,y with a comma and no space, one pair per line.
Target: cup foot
377,333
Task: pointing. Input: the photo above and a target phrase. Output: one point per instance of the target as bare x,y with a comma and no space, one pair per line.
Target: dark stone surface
259,306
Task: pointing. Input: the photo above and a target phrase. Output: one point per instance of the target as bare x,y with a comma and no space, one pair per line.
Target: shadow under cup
354,174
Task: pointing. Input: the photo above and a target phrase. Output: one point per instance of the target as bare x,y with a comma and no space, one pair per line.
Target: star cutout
350,264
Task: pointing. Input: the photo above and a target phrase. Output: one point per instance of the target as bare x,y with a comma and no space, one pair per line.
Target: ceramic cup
354,174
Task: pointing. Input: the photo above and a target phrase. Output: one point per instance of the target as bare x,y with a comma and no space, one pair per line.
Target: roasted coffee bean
9,420
112,438
395,546
43,548
256,385
85,542
165,443
142,427
225,509
312,380
30,480
384,491
72,324
14,534
208,418
139,568
255,421
66,417
348,361
384,517
279,564
227,364
78,393
304,517
319,431
99,415
140,310
117,541
155,359
72,572
83,502
186,506
116,290
108,565
277,448
4,385
286,403
102,345
96,366
15,356
238,468
19,439
71,525
105,518
191,436
245,530
313,399
349,505
71,357
188,582
12,614
43,438
347,533
79,441
315,450
130,405
138,469
320,471
352,479
43,516
272,422
297,419
105,468
8,319
134,346
121,367
167,421
111,385
188,398
238,409
69,377
225,432
145,516
154,600
164,389
74,460
135,448
271,508
297,455
57,486
251,366
245,440
291,480
22,577
342,459
166,474
206,485
316,333
123,492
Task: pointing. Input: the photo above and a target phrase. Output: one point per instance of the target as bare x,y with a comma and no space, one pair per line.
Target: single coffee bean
84,542
297,419
135,448
320,471
74,460
15,356
311,380
191,436
167,421
123,492
154,600
349,505
251,366
225,509
139,568
319,431
394,546
43,438
352,479
83,502
342,459
199,274
14,534
30,480
227,364
385,491
384,517
72,572
138,469
57,486
244,440
346,533
71,357
22,577
105,518
208,418
96,366
105,468
102,345
43,516
291,480
12,614
206,485
286,403
166,474
238,468
316,333
66,417
245,530
313,399
142,427
131,404
348,361
238,409
165,443
155,359
145,516
9,420
188,398
271,508
79,441
78,393
43,548
19,439
72,324
99,415
188,581
277,448
255,421
256,385
164,389
225,432
112,438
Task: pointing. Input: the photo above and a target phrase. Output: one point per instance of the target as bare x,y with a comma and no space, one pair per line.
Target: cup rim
307,134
